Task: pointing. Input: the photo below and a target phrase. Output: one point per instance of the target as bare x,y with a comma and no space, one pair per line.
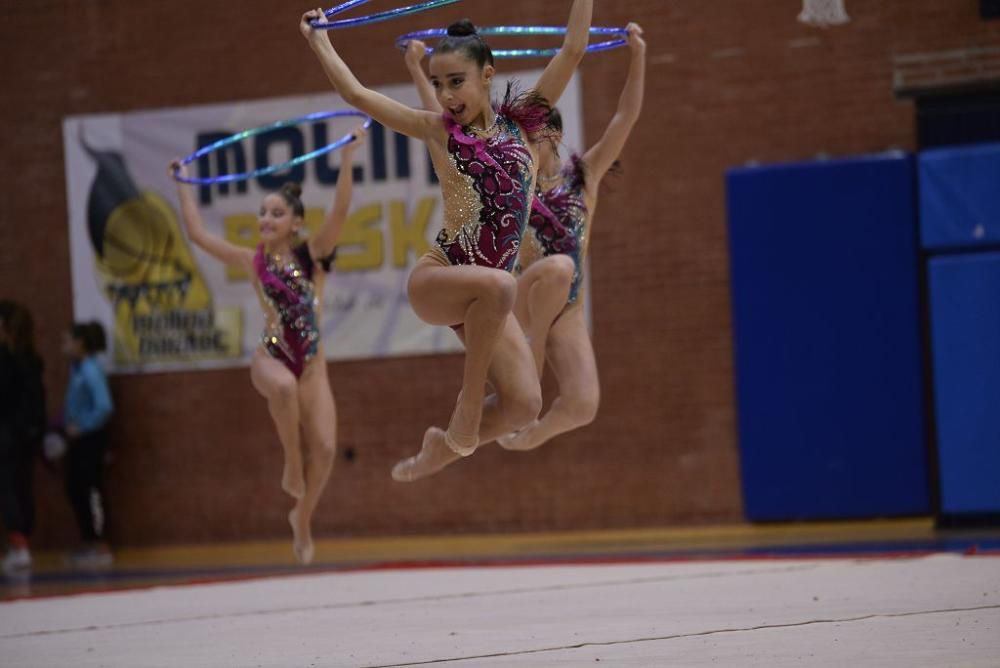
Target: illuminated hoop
374,18
523,31
263,171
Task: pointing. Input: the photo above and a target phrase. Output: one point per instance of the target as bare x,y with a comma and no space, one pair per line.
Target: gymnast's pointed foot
302,544
435,454
522,440
507,439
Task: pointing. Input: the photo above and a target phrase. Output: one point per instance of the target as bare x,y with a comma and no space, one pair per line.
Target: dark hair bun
292,189
463,28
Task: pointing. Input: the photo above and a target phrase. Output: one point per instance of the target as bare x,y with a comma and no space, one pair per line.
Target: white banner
169,306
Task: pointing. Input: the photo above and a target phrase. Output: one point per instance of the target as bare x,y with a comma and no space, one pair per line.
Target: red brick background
196,458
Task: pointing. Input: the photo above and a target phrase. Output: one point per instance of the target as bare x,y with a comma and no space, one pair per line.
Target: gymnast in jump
288,367
486,158
552,255
549,303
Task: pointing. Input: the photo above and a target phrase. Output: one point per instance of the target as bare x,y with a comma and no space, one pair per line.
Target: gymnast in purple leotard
492,183
552,259
288,368
289,295
485,157
558,221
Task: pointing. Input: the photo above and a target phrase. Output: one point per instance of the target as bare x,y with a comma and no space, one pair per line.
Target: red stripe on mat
512,563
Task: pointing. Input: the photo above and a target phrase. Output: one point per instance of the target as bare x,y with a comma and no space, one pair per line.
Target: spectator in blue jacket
86,415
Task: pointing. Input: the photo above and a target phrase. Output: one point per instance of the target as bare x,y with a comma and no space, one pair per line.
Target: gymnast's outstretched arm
560,69
415,51
323,243
602,155
217,247
416,123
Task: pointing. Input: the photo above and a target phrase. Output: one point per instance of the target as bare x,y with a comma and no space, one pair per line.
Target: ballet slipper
519,440
505,440
434,455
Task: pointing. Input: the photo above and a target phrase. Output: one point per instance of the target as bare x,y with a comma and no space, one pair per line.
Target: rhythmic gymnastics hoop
263,171
376,17
523,31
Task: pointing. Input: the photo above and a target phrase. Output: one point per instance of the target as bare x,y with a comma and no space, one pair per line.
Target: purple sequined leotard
292,333
487,195
558,223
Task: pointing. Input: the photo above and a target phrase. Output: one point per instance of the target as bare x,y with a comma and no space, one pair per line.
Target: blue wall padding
828,364
965,334
960,197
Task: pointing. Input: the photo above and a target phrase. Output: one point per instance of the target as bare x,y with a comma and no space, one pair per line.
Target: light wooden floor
899,612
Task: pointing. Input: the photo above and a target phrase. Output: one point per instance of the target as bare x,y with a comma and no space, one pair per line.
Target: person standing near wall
87,412
22,425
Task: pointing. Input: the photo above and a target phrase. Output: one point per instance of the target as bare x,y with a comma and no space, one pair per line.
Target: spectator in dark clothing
22,427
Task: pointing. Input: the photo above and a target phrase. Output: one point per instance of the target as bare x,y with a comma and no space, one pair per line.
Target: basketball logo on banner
161,303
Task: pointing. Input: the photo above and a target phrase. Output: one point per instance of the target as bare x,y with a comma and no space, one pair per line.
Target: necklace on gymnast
283,259
485,133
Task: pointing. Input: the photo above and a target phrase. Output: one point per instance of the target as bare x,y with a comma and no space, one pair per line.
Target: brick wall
196,457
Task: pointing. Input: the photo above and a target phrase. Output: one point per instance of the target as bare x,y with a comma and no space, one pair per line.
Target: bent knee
325,449
414,284
284,391
523,408
500,288
559,268
583,409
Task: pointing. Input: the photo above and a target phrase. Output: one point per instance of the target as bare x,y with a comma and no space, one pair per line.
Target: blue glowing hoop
523,31
373,18
263,171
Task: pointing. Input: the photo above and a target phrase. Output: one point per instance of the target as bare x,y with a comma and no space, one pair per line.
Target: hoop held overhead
376,17
271,169
523,31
